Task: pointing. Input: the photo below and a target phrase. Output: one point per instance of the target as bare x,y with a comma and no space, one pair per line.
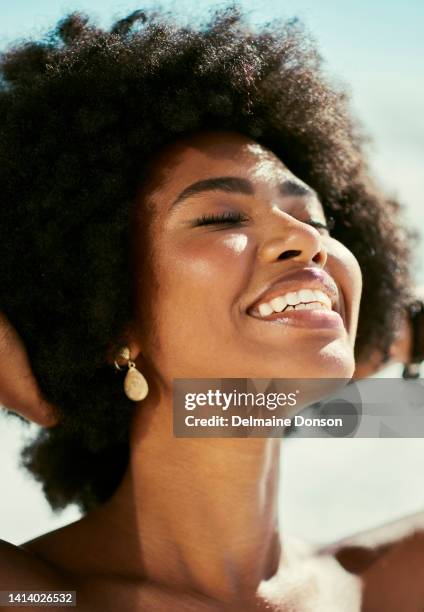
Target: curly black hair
81,114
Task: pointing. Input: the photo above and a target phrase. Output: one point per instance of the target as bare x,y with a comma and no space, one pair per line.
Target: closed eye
237,217
227,217
329,225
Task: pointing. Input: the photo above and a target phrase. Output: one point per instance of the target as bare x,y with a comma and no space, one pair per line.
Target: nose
290,238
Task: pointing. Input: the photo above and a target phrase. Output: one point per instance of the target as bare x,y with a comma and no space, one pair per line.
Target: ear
19,390
133,350
128,340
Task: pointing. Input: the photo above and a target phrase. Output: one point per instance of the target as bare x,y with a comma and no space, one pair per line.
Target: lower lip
306,318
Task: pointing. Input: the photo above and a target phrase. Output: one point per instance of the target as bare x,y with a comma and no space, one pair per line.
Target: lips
305,278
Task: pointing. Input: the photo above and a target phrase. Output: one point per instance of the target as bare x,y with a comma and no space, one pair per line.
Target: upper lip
304,278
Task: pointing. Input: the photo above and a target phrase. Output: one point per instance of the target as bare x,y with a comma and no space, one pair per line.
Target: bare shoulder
361,550
23,569
390,562
20,569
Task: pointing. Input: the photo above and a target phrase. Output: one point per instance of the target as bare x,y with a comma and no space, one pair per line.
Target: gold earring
135,385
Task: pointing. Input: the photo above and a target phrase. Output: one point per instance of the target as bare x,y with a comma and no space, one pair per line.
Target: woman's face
224,233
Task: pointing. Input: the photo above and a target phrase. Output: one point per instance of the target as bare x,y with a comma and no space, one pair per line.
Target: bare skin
18,388
193,524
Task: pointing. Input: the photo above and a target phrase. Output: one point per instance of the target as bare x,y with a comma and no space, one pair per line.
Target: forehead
209,155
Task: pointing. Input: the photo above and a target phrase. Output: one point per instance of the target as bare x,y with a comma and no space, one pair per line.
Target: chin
335,360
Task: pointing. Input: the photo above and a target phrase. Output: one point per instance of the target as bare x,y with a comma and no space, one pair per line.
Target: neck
204,510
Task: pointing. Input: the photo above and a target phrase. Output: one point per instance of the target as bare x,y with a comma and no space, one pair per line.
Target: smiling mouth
305,307
304,299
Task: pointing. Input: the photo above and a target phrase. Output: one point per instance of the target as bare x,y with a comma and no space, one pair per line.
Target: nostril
320,257
288,254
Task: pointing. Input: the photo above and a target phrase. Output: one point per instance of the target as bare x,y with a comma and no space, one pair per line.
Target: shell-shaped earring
135,385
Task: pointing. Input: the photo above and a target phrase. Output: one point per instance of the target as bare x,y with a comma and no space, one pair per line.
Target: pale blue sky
354,35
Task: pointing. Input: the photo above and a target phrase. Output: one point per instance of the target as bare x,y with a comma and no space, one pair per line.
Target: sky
376,48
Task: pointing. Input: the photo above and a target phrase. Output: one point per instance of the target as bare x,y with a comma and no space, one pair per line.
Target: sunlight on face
229,223
236,242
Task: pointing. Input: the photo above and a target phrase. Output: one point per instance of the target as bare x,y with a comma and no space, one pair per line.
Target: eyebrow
234,184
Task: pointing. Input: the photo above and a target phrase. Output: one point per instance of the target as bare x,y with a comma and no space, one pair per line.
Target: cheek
210,267
235,244
345,269
199,280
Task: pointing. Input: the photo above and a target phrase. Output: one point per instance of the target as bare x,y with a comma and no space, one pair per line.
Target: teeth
306,295
292,298
322,297
265,309
314,306
304,299
278,304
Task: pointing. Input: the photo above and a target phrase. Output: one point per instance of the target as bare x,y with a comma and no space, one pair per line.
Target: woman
160,185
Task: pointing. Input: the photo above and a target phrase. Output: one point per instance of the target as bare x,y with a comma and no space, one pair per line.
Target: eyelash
227,217
326,226
230,217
